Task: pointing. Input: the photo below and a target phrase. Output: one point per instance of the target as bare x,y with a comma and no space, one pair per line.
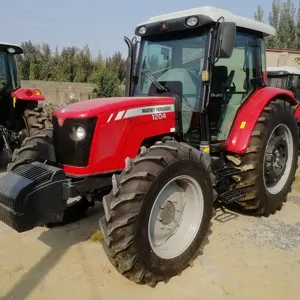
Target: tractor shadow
59,239
224,214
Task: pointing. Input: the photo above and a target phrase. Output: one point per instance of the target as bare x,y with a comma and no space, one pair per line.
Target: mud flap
32,195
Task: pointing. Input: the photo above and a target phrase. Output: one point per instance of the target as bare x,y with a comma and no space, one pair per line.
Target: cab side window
3,71
240,72
297,86
13,68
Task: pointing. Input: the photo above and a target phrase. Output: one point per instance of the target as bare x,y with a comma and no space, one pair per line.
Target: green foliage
259,15
117,64
73,65
285,18
108,84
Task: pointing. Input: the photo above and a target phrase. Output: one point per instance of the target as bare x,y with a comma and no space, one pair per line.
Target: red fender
249,113
297,112
28,94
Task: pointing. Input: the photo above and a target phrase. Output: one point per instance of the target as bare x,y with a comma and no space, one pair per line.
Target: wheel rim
175,217
278,159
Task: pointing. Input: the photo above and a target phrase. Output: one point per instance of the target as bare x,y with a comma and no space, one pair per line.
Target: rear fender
28,94
249,113
297,112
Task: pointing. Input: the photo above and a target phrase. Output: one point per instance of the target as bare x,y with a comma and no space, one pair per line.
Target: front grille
67,151
34,172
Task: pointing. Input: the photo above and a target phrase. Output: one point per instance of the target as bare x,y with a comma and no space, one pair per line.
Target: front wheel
158,215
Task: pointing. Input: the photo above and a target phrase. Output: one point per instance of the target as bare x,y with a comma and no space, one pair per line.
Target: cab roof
215,14
284,70
5,46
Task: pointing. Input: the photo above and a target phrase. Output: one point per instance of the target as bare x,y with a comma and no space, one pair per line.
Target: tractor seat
219,76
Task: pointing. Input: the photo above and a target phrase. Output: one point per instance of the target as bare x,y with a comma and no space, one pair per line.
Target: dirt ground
247,258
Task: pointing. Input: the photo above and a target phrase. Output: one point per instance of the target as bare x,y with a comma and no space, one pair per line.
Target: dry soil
247,258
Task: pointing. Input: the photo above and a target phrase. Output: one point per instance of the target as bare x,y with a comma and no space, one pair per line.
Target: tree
286,34
107,84
259,15
285,18
83,65
117,64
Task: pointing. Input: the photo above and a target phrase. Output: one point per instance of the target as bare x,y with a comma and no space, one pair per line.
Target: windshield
278,82
176,59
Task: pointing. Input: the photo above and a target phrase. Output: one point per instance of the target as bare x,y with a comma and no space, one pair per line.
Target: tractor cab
9,79
212,59
11,93
287,78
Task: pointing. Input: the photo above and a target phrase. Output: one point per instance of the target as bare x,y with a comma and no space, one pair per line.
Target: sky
101,24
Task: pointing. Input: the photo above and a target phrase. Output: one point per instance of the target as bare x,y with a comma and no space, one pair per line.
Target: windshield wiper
154,81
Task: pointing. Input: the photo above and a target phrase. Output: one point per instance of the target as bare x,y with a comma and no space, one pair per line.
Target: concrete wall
60,92
277,58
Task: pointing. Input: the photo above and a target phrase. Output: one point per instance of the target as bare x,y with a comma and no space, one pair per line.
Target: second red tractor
20,114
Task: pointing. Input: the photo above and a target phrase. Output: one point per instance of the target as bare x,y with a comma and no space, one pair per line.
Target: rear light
37,92
28,93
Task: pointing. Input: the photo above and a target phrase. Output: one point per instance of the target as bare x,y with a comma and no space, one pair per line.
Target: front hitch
32,195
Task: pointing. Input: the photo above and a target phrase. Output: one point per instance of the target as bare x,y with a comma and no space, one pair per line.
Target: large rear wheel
158,214
35,120
271,160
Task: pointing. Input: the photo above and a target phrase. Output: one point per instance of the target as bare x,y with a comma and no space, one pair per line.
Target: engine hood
96,107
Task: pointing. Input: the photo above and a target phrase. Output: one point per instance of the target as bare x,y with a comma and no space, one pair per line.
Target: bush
108,84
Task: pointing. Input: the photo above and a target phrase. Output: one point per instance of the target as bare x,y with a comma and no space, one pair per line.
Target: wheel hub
168,213
275,159
169,217
176,216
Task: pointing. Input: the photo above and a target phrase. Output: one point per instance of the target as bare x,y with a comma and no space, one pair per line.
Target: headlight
192,21
77,133
142,30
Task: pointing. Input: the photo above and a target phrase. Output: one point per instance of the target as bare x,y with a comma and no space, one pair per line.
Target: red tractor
198,126
20,116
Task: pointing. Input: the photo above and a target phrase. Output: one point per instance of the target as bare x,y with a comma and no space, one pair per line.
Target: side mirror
226,38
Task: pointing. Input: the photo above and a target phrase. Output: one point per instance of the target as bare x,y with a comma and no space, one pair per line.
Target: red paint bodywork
297,113
114,140
239,138
28,94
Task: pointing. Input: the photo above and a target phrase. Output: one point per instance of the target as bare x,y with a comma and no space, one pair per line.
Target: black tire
127,209
258,200
31,150
35,120
2,144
